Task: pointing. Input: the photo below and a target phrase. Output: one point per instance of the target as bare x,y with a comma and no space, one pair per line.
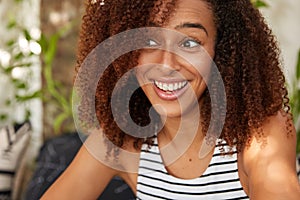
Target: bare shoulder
278,137
269,161
85,178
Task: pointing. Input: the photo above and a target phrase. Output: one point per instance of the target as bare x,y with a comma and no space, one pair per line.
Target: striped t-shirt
219,181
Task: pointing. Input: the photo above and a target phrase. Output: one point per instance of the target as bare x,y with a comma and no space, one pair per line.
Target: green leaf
8,102
298,67
259,3
11,24
58,121
27,64
21,85
298,141
27,34
8,69
51,50
24,98
10,43
43,42
3,117
19,56
27,115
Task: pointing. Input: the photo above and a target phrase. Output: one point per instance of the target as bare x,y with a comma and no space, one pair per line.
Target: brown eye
190,43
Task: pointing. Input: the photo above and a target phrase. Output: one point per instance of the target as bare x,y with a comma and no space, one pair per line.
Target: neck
185,128
180,135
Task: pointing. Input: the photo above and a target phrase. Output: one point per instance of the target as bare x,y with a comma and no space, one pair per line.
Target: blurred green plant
295,100
19,60
62,103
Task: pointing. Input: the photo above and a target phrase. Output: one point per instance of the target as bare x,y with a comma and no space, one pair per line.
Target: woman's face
176,62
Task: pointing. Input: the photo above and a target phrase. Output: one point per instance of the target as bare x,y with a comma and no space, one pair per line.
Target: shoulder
269,160
91,170
85,178
119,159
277,136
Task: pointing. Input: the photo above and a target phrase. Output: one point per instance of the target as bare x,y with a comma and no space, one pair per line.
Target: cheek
140,70
139,76
201,67
142,75
148,56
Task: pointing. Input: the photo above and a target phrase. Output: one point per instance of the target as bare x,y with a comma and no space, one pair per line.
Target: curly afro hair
246,54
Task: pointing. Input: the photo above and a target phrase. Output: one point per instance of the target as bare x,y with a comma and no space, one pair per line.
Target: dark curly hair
246,55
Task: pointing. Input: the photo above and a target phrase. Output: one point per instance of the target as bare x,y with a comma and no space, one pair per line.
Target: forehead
191,11
182,8
192,7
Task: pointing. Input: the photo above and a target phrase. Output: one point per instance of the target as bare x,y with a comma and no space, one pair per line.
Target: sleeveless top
219,181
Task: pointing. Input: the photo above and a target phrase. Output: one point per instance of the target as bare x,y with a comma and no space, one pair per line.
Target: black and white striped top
219,181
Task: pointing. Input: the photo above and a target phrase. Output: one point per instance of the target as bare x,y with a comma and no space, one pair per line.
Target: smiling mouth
170,87
170,90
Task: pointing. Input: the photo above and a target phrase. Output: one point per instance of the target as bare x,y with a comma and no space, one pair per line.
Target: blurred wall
283,16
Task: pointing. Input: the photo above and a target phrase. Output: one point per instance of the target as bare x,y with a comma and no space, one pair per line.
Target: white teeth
170,86
165,87
179,85
175,86
160,85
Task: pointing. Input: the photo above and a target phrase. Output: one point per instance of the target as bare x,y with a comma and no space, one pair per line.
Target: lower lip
167,95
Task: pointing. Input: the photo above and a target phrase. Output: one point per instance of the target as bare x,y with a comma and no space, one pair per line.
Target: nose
169,60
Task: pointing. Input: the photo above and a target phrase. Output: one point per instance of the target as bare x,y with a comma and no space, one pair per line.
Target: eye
190,43
151,43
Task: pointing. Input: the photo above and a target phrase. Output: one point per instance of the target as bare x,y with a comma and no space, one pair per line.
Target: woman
254,155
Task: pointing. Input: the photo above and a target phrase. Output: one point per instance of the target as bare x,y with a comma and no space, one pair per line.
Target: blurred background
38,40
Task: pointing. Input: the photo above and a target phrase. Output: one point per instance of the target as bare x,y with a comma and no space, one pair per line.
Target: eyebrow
192,25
